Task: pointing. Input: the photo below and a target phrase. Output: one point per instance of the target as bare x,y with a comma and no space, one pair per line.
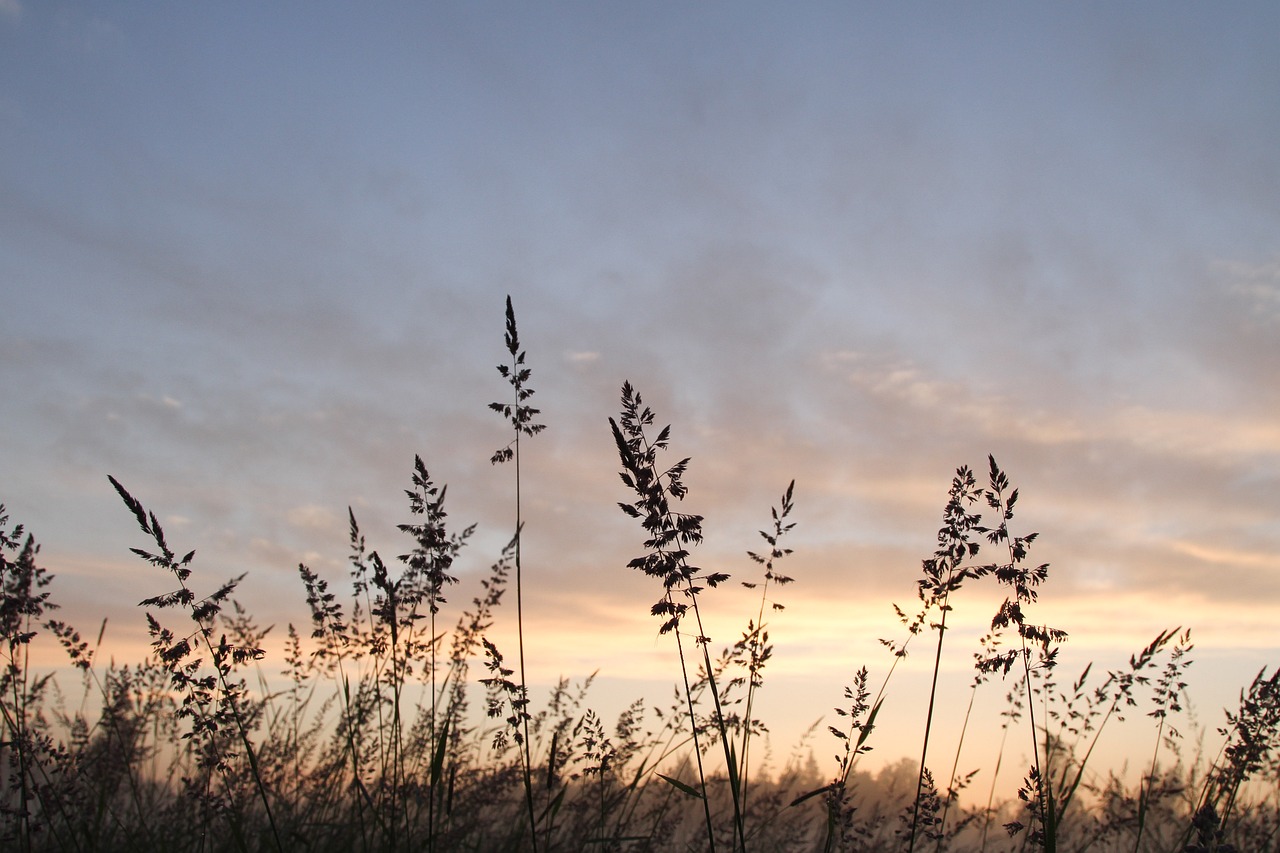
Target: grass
375,732
521,416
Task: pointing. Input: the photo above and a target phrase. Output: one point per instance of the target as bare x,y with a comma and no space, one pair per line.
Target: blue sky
255,259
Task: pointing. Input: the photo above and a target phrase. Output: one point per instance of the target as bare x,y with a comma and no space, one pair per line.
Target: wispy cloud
1258,285
314,517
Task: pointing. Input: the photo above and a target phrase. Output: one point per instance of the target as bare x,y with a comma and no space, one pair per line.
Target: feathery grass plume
598,757
1252,735
521,417
426,575
944,573
330,627
395,771
1209,835
453,754
506,697
670,535
1084,714
213,703
340,639
921,819
1024,581
1166,700
1034,799
754,650
24,602
862,721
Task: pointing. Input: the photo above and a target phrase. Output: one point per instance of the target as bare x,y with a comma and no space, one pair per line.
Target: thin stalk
638,455
720,724
113,725
744,769
15,724
703,641
249,751
151,526
942,576
1144,790
847,767
431,797
358,560
521,417
757,640
1023,581
955,765
928,722
991,792
697,748
356,782
601,828
524,684
1045,794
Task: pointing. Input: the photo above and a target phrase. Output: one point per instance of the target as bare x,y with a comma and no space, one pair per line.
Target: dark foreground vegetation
372,737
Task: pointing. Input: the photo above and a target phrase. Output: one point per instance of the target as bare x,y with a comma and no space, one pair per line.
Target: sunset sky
255,257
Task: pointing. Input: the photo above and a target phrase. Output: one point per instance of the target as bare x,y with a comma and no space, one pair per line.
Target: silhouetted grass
365,735
521,416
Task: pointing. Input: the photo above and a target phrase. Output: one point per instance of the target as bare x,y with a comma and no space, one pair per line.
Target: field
398,724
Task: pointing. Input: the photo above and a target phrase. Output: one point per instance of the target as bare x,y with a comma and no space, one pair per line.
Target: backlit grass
399,724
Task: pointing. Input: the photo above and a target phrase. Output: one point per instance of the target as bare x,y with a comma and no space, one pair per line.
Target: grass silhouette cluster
372,738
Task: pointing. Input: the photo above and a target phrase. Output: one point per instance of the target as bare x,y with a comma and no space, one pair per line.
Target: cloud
11,9
897,383
1190,433
314,517
1258,285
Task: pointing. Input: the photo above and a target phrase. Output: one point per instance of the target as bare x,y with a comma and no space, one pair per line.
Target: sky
255,259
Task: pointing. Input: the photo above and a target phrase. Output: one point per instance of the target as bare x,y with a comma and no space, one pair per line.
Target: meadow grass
371,738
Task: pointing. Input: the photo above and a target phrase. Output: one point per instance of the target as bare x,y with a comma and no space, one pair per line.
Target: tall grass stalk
756,640
668,559
1252,737
1116,694
335,636
227,702
1024,582
862,721
953,784
1168,693
1009,716
944,573
521,417
855,740
429,566
22,582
